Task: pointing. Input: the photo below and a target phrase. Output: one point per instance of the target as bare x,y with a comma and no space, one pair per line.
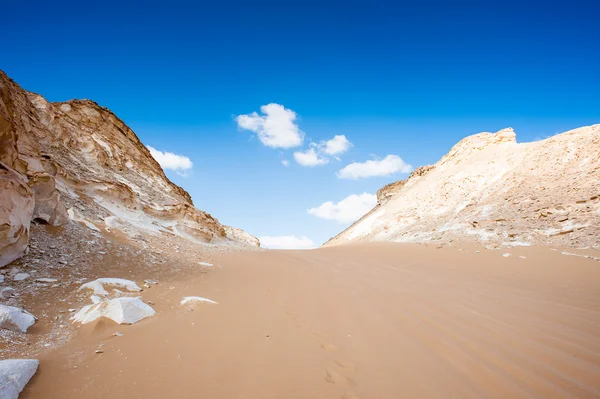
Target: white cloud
337,145
285,163
168,160
320,154
286,242
379,167
310,157
276,128
350,209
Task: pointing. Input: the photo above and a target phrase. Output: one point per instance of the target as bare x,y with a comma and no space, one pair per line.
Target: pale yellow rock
490,188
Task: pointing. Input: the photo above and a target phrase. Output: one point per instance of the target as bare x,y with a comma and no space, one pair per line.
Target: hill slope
489,188
77,161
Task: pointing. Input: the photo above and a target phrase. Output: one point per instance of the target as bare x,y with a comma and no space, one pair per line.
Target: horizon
260,112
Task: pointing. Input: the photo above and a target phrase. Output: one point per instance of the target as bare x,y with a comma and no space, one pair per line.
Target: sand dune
362,321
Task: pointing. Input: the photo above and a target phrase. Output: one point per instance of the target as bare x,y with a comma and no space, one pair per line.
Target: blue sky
408,80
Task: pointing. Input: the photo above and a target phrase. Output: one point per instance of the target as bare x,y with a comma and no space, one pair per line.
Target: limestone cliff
491,189
77,160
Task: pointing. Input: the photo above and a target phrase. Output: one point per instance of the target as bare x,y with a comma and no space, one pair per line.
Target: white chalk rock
21,276
4,292
15,319
98,285
14,375
205,264
121,310
196,299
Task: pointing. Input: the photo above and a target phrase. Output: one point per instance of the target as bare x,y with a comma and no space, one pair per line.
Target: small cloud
168,160
310,157
320,154
379,167
285,163
276,128
286,242
337,145
347,210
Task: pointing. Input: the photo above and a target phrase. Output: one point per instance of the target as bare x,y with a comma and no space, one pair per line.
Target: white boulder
125,310
14,375
15,319
196,299
98,285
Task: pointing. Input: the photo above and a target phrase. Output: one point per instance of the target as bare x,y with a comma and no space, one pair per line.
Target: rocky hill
77,162
491,189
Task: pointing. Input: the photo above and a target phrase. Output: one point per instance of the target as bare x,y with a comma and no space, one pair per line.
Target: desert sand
375,320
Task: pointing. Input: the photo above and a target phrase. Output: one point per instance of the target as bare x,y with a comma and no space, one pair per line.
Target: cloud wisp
320,154
310,157
338,145
276,128
350,209
374,168
168,160
286,242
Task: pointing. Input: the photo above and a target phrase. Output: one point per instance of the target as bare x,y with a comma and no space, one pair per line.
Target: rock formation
15,319
80,157
491,189
14,375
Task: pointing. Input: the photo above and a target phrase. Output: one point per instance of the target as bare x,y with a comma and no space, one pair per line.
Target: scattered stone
522,257
193,299
206,264
14,375
153,282
121,310
98,285
21,276
99,351
4,290
46,280
506,254
15,319
118,334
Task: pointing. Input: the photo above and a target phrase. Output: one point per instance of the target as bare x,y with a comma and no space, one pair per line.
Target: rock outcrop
489,188
16,212
15,319
81,156
14,375
125,310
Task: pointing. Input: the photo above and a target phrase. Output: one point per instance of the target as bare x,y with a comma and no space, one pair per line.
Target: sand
363,321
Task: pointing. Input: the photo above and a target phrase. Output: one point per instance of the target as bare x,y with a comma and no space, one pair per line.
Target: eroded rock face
385,193
78,151
47,200
16,211
490,188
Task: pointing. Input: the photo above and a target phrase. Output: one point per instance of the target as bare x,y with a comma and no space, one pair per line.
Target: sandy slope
365,321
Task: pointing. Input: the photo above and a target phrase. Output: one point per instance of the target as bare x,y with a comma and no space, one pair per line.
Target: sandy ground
365,321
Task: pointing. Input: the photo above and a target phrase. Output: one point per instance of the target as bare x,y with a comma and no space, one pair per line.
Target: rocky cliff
78,162
491,189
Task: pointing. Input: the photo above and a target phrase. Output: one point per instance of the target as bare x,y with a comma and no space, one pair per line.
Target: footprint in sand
345,365
329,347
333,377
